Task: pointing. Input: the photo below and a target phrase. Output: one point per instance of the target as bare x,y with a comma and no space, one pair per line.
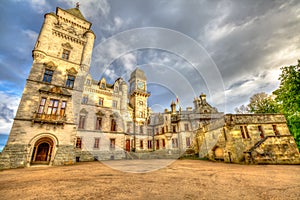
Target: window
275,130
81,122
186,127
112,143
116,89
141,144
149,144
244,132
48,76
141,114
141,129
63,108
163,143
42,105
88,81
52,107
157,144
98,123
157,131
102,85
114,104
174,128
141,103
65,54
162,130
70,81
188,141
113,125
96,143
261,132
174,143
85,100
78,143
100,102
128,127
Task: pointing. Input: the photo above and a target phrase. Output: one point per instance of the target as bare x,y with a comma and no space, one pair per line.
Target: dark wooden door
127,145
42,152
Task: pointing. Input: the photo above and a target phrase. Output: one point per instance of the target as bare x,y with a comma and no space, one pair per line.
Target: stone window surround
60,101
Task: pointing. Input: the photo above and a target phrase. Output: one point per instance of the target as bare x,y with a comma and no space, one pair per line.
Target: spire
76,12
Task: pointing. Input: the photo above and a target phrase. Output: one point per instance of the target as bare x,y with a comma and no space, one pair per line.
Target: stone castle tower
139,96
44,129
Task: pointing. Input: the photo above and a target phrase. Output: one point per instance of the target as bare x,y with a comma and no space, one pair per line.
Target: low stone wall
82,156
65,155
13,156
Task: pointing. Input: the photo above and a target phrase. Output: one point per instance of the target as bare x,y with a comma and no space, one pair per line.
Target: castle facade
65,116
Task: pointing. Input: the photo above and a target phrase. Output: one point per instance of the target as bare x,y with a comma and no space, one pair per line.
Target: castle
65,116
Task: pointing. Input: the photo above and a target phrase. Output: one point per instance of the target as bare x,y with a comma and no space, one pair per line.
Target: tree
242,109
259,103
262,103
288,98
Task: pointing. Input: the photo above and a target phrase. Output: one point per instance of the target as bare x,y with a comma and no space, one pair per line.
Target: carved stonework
38,56
50,65
67,45
72,71
55,90
99,113
83,111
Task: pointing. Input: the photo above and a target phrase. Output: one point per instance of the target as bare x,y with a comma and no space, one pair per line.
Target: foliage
262,103
286,101
288,98
242,109
259,103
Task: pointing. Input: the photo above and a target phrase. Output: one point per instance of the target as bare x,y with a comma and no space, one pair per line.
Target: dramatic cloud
245,42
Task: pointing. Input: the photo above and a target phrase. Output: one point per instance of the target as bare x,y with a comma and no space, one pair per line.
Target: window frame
65,54
96,143
78,143
42,105
70,81
48,75
81,123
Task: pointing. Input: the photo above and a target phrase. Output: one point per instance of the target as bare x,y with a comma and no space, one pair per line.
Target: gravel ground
182,179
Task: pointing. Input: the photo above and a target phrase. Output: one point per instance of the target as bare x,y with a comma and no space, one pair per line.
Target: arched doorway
218,153
42,151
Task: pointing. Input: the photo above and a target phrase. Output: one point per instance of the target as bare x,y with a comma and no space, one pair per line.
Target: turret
173,108
42,43
88,49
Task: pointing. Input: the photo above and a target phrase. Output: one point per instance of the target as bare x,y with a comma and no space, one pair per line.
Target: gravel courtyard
182,179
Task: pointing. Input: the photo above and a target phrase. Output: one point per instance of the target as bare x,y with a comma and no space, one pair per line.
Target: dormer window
65,54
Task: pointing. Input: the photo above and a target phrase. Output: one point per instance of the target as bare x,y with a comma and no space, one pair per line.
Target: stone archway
218,153
43,150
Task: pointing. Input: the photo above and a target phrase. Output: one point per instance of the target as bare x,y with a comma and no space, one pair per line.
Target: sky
228,50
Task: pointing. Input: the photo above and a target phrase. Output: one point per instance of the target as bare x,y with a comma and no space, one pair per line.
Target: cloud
248,41
8,108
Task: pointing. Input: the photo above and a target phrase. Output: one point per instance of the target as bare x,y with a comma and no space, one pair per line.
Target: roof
76,12
138,73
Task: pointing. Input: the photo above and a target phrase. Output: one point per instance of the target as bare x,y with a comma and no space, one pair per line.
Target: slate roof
76,12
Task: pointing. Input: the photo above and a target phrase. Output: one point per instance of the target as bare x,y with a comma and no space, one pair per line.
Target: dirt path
182,179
